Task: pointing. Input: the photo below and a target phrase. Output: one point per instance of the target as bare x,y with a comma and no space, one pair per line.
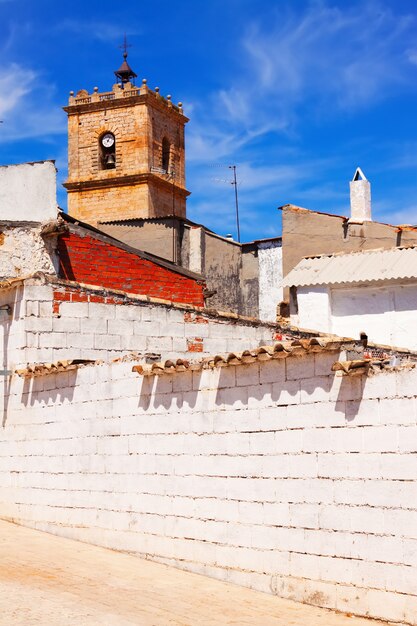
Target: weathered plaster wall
270,279
23,251
28,192
277,475
63,323
222,262
249,281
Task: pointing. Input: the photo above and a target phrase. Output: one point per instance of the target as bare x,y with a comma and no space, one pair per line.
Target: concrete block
74,309
98,310
39,324
128,312
148,328
323,362
32,308
38,292
120,327
272,371
107,342
32,340
299,368
52,340
66,324
381,385
398,411
385,605
45,308
286,393
158,344
94,326
315,389
247,375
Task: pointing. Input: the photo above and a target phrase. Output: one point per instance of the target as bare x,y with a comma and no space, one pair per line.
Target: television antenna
233,182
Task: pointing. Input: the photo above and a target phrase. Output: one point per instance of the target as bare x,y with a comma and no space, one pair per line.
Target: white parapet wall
279,475
28,192
56,322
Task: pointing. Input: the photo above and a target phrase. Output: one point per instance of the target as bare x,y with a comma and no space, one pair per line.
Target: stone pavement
50,581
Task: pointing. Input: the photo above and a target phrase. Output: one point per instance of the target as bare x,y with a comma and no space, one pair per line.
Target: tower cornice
125,181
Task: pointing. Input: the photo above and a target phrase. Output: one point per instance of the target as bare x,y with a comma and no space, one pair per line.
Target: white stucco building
372,292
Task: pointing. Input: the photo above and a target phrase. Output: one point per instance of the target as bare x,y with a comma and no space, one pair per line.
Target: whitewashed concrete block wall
280,475
91,330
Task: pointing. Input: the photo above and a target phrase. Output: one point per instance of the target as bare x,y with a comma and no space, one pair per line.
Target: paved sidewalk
49,581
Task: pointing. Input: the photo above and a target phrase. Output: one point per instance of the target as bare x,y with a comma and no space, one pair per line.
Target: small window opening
166,149
107,151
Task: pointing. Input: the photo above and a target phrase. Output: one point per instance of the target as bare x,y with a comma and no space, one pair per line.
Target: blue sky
295,93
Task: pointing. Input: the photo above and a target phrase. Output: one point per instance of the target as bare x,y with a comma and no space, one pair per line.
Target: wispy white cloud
295,67
331,57
26,106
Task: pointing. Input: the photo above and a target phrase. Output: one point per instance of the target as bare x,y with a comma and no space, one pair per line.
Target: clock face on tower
107,140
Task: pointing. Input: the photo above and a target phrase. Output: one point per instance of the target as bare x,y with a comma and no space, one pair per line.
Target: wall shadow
46,389
16,306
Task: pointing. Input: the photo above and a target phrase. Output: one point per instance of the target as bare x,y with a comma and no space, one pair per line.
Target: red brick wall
89,260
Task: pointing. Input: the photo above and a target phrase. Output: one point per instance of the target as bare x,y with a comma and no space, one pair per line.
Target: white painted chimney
360,197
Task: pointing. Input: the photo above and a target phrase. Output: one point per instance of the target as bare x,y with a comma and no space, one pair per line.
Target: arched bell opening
107,151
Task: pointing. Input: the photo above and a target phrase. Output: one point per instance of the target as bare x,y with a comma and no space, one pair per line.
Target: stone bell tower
126,156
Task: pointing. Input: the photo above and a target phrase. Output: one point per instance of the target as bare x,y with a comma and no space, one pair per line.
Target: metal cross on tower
125,46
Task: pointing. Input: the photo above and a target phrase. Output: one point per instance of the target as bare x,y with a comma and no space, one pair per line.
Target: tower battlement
122,92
